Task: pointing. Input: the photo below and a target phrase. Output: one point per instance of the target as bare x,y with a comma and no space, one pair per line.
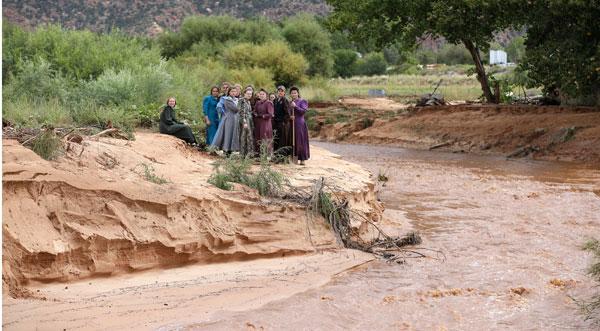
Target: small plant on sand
591,307
47,144
148,174
219,180
232,169
382,176
266,181
236,169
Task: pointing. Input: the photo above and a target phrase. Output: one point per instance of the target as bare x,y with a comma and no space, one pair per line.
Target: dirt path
511,232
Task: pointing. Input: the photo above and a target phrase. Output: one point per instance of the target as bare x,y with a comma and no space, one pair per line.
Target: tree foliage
287,67
344,62
371,64
467,22
77,54
309,38
565,56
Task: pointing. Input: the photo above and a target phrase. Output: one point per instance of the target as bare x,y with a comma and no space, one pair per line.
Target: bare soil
96,212
539,132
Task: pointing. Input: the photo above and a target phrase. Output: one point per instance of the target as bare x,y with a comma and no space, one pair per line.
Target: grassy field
453,87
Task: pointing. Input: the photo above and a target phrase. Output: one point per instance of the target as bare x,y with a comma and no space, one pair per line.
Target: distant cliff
146,17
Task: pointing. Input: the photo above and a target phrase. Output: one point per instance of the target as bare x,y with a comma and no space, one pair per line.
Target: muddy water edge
511,232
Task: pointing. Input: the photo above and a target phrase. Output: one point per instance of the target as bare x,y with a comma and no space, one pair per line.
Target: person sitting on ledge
169,124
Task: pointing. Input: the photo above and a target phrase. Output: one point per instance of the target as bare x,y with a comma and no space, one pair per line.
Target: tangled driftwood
323,200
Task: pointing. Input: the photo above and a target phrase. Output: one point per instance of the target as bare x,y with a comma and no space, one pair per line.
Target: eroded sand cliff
94,213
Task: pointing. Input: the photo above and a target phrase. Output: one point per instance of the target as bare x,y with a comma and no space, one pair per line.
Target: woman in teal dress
211,116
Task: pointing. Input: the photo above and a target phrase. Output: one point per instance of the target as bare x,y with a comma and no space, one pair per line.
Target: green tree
563,49
345,60
515,49
391,55
453,54
287,67
306,36
340,40
371,64
468,22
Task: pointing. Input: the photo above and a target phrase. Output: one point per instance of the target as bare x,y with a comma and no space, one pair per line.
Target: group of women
248,123
244,122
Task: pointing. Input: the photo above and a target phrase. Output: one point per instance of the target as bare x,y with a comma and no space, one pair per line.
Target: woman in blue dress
211,115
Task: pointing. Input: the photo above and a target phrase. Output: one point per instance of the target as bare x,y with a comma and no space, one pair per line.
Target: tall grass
320,89
36,113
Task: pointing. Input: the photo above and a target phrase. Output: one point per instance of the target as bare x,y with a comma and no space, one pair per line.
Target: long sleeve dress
282,129
263,130
228,133
301,130
209,108
246,133
169,125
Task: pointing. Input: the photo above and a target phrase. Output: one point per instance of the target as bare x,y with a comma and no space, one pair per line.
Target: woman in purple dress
262,113
300,106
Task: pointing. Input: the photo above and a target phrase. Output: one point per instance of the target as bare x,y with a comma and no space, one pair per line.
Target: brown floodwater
510,230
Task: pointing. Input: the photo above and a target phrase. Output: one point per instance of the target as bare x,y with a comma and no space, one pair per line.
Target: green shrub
47,145
257,77
90,113
78,54
309,38
344,61
266,181
202,35
287,67
220,180
371,64
235,169
452,54
128,86
37,81
29,113
591,307
111,88
258,31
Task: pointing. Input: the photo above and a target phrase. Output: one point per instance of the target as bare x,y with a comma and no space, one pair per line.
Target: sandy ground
93,212
75,230
541,132
167,298
511,232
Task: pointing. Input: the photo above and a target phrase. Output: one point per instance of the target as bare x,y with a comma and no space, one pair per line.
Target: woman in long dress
228,133
211,116
263,130
171,126
246,124
300,107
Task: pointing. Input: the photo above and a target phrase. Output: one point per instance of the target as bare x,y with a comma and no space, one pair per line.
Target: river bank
114,208
538,132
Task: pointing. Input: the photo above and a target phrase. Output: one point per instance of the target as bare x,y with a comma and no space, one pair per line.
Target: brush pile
322,200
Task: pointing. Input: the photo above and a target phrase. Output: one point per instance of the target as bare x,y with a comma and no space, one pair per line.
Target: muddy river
511,232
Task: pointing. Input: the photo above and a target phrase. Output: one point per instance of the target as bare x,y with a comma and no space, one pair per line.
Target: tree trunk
481,75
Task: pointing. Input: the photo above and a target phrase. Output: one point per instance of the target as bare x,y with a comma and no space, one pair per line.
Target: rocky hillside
145,17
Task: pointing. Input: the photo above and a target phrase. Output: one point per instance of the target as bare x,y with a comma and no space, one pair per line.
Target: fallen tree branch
335,209
447,143
113,132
